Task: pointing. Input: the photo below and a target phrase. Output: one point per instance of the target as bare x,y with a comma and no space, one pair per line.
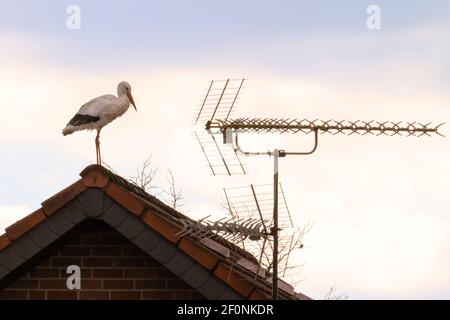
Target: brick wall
111,268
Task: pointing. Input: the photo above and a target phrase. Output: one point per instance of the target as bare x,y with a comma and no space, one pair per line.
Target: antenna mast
230,129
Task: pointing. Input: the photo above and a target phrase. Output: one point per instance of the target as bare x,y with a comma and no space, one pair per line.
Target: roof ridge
139,191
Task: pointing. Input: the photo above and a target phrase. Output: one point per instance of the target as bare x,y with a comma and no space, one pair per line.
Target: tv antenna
215,117
256,202
218,102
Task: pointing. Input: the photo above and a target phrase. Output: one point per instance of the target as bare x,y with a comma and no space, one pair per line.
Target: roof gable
215,267
112,267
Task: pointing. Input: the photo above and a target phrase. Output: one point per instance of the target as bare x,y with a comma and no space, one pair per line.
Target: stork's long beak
130,97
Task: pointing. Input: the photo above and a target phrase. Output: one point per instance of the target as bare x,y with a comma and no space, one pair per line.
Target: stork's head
124,88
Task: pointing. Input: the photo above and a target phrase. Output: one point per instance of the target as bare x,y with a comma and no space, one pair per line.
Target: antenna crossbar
229,229
282,125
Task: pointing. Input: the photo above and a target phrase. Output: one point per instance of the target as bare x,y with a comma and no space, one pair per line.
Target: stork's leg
97,147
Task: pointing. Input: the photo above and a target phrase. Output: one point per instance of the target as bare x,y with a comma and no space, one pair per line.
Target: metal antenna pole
275,229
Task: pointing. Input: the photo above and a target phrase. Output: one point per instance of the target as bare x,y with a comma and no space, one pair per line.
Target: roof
215,267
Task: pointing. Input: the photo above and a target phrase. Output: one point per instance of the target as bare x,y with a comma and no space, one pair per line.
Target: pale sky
380,205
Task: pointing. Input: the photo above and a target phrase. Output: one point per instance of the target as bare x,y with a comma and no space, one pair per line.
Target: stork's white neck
124,97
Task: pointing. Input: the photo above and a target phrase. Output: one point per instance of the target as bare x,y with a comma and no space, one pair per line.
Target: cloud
379,204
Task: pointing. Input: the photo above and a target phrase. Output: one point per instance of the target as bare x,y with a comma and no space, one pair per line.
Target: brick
65,261
150,284
4,241
161,225
181,294
91,284
117,284
85,273
165,274
157,295
125,295
139,273
44,273
107,273
107,251
125,199
77,240
44,263
177,284
130,262
199,253
13,295
95,178
75,251
98,262
150,262
89,240
242,284
54,284
24,284
94,295
61,295
197,296
259,295
37,295
114,240
132,251
60,199
22,226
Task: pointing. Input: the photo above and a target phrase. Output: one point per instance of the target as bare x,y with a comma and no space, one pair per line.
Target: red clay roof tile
216,247
259,295
95,178
161,225
61,198
22,226
252,267
199,253
126,199
4,241
93,167
236,280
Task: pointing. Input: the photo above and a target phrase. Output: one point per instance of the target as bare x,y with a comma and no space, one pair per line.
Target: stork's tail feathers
68,130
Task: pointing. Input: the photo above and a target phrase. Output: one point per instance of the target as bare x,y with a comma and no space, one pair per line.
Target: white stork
100,111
